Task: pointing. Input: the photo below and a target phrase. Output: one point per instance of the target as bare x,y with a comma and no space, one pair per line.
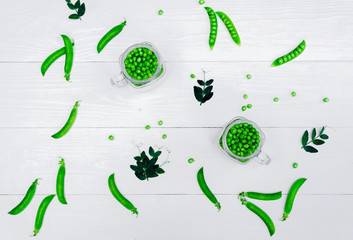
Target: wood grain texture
29,100
268,29
179,217
90,158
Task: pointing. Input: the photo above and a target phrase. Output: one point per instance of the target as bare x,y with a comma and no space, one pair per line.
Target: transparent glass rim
149,46
226,129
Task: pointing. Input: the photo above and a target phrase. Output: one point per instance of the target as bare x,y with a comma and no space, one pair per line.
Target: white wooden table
172,206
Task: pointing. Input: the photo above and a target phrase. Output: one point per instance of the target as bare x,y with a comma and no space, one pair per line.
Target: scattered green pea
295,165
191,160
201,2
160,123
243,108
245,96
148,127
276,99
111,137
294,94
160,12
164,136
248,76
326,99
249,106
192,75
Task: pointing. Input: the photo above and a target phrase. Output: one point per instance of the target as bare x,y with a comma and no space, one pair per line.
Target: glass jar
126,78
257,155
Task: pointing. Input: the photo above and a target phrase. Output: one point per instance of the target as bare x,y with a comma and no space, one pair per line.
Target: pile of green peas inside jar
141,63
243,139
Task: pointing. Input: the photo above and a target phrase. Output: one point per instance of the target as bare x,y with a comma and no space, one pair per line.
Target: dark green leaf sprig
205,93
146,167
316,139
79,8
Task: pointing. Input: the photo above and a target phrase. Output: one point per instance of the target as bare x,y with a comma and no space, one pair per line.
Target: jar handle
262,158
119,80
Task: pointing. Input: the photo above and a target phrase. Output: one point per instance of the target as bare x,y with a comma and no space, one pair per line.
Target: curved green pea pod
261,196
213,27
60,182
52,58
41,212
230,27
259,212
291,196
109,36
290,56
118,196
206,190
70,121
69,56
26,200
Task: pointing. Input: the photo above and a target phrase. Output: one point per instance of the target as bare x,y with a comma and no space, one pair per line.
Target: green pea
164,136
191,160
243,108
192,75
248,76
295,165
245,96
148,127
294,94
160,123
160,12
249,106
201,2
276,99
326,99
111,137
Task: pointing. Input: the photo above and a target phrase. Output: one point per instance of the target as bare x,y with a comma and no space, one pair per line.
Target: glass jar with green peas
141,64
242,140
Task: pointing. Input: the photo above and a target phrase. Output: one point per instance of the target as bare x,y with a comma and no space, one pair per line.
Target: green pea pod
60,182
109,36
26,200
291,196
259,212
118,196
52,58
261,196
230,27
213,27
70,121
41,212
69,50
206,190
290,56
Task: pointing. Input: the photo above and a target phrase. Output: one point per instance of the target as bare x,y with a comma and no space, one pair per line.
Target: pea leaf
324,136
322,130
136,168
310,149
77,4
305,138
160,171
156,154
313,134
318,142
140,176
71,6
153,175
198,93
209,82
200,82
74,16
208,90
151,151
68,1
207,97
82,9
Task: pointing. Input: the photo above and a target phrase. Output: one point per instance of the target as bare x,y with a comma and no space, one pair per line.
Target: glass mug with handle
123,78
257,155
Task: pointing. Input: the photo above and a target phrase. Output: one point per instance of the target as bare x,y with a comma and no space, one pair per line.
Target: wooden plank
179,217
29,100
268,29
90,158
